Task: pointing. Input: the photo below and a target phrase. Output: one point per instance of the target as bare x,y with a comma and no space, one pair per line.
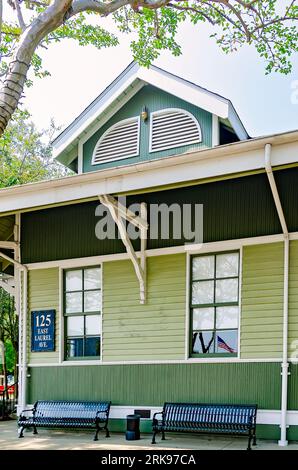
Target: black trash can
132,427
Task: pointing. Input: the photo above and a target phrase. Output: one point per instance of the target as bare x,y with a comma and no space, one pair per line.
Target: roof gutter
284,365
198,165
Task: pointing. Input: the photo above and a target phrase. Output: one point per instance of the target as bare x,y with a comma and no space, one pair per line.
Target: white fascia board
186,91
219,161
237,124
75,130
167,82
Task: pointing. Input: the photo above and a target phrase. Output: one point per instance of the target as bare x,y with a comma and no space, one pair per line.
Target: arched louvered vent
120,141
173,128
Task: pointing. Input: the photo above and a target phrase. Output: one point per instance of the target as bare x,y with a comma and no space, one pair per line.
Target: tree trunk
13,85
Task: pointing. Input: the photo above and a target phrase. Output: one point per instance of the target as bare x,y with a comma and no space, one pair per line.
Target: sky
79,74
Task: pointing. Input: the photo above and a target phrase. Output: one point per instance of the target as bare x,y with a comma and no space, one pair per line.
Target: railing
8,401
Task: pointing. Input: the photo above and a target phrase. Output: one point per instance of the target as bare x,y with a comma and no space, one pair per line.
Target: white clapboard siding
173,128
120,141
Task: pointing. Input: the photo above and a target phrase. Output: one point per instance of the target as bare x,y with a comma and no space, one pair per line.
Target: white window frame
79,263
134,118
177,110
222,247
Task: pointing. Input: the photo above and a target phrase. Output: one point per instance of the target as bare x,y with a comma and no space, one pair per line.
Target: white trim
61,316
235,158
80,158
105,117
102,314
156,77
215,131
110,129
215,360
174,145
188,248
89,116
240,299
62,361
187,309
240,253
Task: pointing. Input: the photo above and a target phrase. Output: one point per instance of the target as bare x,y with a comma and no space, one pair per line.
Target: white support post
118,212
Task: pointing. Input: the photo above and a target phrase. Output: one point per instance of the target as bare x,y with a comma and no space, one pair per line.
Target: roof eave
66,143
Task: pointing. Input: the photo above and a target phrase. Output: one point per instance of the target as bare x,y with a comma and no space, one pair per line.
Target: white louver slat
119,141
173,128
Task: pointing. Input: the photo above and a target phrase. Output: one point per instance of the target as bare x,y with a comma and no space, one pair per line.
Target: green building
195,296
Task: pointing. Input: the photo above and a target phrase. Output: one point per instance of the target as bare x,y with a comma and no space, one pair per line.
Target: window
82,310
120,141
172,128
215,304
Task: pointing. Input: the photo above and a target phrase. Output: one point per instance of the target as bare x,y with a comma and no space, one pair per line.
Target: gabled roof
123,88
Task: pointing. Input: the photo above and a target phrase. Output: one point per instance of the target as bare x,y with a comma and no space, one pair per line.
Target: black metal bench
66,414
205,418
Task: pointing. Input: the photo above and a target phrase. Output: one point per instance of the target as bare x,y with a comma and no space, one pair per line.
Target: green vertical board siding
293,300
236,208
154,99
153,384
156,330
262,301
286,181
43,294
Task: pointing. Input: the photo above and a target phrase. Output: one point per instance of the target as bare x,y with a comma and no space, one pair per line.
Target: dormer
147,114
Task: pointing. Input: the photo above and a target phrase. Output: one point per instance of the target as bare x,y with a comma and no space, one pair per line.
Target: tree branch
79,6
20,15
1,21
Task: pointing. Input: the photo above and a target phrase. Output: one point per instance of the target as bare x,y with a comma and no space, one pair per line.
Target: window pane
92,346
73,302
75,347
227,265
75,326
226,341
92,324
203,267
227,290
203,292
203,342
73,280
203,319
92,278
227,317
92,301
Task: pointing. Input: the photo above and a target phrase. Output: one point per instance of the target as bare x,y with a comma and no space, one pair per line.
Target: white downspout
285,365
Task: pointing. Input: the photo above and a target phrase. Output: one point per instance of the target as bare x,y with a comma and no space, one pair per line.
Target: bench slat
211,418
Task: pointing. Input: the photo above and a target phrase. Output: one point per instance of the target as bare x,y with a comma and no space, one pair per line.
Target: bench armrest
29,409
155,420
106,412
22,416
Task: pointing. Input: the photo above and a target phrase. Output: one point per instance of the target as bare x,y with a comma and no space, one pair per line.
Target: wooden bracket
7,287
118,213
